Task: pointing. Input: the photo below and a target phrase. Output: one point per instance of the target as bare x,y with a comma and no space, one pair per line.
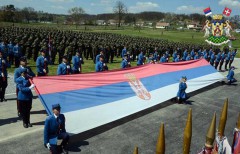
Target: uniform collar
55,116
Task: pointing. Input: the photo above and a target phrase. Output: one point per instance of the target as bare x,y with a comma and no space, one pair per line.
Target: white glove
3,61
48,146
79,69
68,66
44,70
45,59
104,64
143,63
80,59
32,86
2,74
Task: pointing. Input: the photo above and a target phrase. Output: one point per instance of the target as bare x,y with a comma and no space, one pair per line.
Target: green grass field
187,36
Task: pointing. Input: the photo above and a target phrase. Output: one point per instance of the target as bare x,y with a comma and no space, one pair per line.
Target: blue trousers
65,138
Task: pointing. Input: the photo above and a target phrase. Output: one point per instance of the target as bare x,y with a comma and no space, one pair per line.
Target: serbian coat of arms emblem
138,87
217,30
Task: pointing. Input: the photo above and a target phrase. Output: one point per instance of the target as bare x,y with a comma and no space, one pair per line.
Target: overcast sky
134,6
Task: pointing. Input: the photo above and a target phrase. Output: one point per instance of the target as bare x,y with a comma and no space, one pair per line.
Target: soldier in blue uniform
10,53
77,61
185,54
163,59
140,59
223,56
218,59
188,57
192,53
156,55
98,56
230,76
42,64
196,56
177,59
25,97
228,55
3,78
151,59
64,68
54,129
125,63
232,56
212,58
174,56
17,54
181,94
101,66
124,51
17,74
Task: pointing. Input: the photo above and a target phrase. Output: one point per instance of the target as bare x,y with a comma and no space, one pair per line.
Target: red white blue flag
207,11
94,99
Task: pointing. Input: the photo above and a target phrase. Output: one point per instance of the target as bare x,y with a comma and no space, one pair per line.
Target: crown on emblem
217,17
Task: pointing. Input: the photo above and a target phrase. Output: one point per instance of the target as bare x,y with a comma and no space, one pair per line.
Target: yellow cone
161,141
135,150
238,123
211,133
187,134
223,119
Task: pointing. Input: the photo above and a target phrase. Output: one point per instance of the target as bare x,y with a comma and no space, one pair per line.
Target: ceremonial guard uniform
77,61
163,59
218,59
25,97
181,95
42,64
223,56
125,63
54,129
230,76
140,59
101,66
64,68
3,78
17,74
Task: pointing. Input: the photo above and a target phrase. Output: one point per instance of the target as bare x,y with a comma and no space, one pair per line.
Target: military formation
45,46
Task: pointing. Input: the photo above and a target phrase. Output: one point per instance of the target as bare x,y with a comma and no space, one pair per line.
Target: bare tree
29,14
76,14
120,10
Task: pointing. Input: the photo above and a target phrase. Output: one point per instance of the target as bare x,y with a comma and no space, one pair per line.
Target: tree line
76,15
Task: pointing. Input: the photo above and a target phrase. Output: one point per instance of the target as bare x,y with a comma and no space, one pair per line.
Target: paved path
120,137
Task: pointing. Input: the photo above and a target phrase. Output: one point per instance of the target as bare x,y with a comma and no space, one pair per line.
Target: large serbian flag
93,99
207,11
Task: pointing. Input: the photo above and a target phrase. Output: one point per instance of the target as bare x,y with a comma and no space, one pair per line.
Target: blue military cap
56,106
23,59
184,77
43,51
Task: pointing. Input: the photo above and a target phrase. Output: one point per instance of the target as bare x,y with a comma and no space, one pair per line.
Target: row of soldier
29,41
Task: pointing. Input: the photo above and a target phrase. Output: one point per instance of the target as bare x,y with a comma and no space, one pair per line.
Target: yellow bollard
187,134
161,141
223,119
211,133
135,150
